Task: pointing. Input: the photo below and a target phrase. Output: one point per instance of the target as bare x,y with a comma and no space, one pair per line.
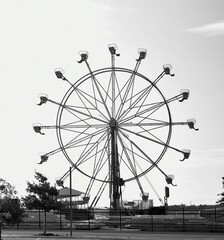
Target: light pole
70,194
61,184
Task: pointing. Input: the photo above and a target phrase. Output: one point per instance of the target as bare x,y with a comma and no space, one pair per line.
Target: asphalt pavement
106,235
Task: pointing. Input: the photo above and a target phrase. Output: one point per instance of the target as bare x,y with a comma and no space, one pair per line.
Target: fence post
215,221
60,219
120,217
39,220
152,221
183,220
89,218
0,230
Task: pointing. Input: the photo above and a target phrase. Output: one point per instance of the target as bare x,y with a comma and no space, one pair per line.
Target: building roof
65,193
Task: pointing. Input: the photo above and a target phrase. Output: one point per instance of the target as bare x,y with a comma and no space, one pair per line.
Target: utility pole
71,213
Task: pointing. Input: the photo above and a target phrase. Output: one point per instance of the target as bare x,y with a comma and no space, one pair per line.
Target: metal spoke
150,139
94,80
144,154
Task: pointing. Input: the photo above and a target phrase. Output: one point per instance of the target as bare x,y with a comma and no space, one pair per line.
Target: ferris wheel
114,124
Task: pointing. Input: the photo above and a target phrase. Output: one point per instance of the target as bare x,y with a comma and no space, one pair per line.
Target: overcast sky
38,36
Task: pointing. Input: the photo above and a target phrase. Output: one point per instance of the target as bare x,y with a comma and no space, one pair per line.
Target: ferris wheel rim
78,83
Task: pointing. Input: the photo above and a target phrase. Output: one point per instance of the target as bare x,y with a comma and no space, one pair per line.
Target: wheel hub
113,123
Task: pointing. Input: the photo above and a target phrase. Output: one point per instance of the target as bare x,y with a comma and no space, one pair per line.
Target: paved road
110,235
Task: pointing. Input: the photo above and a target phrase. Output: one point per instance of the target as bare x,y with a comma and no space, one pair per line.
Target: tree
41,196
10,206
11,211
6,189
221,200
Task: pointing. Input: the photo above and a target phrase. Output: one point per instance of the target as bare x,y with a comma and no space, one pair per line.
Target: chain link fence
160,219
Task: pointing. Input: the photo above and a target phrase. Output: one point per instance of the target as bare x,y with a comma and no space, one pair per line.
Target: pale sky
39,36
